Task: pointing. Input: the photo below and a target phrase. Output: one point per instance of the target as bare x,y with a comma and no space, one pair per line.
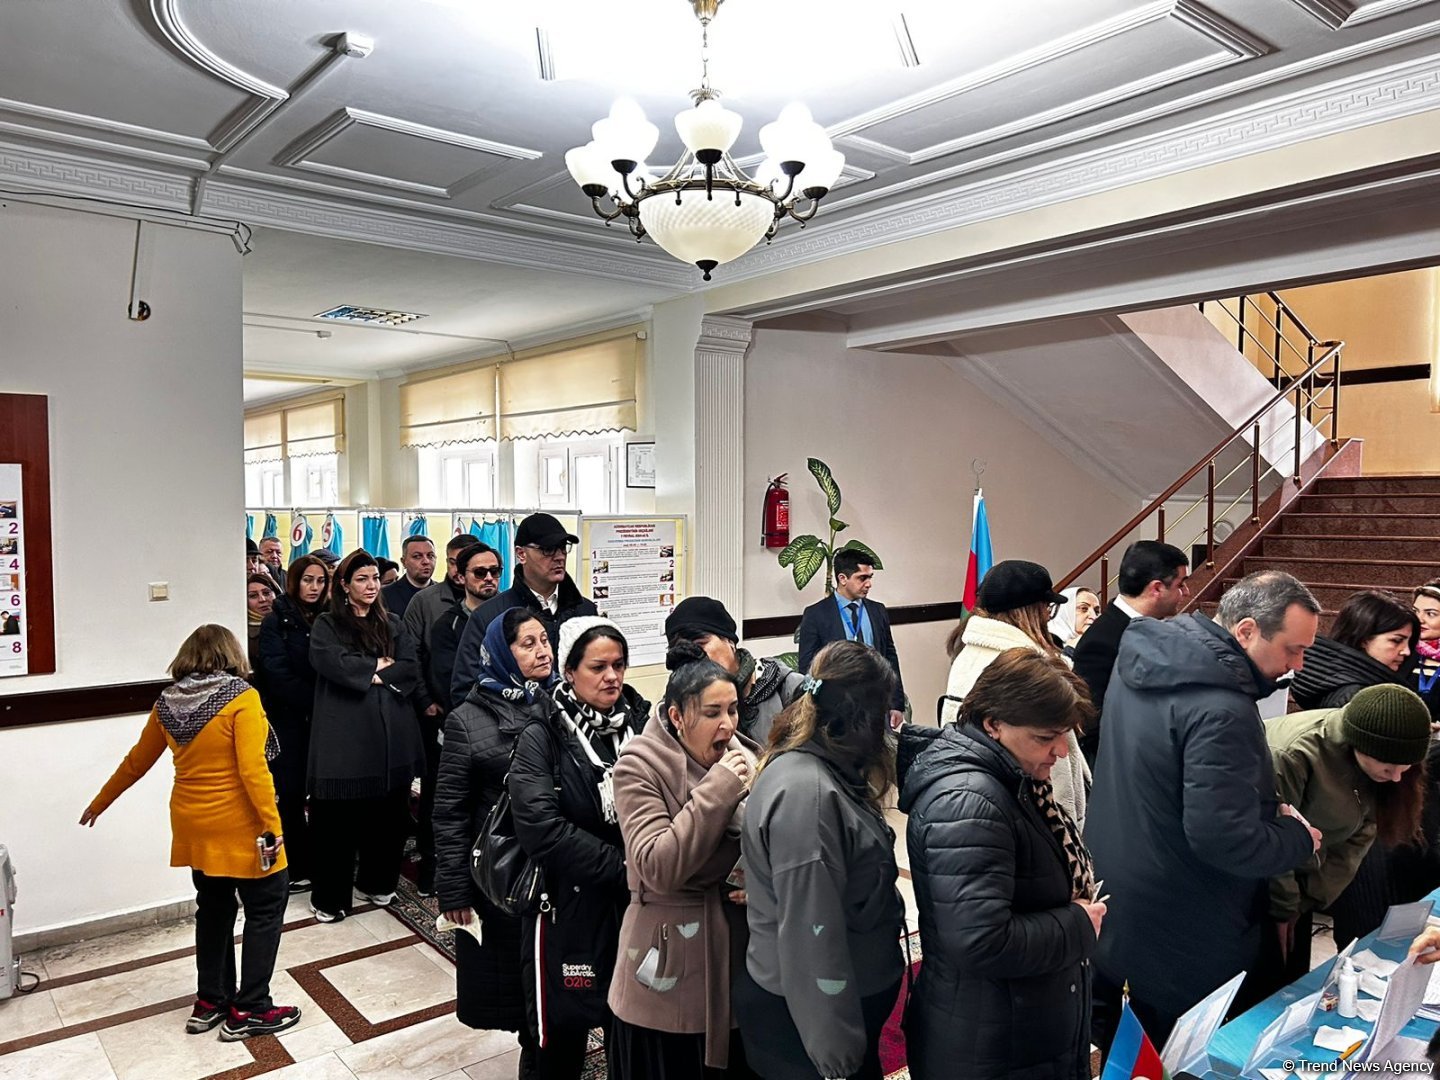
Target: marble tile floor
377,1002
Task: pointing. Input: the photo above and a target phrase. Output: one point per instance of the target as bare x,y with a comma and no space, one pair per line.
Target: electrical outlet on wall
159,590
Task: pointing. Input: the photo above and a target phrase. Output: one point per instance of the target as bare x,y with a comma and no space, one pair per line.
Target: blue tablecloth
1233,1043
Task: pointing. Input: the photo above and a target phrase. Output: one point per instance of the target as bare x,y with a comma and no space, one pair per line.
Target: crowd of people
713,880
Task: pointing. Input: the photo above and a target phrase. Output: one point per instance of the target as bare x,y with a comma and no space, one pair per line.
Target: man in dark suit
1152,584
849,615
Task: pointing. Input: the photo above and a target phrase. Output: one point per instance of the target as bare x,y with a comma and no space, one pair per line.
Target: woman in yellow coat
221,807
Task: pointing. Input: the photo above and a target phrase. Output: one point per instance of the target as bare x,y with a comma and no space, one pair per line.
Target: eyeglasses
1054,610
485,571
549,551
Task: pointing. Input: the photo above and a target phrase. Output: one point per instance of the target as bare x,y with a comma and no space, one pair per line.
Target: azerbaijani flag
981,558
1132,1054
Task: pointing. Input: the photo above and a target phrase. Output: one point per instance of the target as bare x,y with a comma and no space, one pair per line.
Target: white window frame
436,488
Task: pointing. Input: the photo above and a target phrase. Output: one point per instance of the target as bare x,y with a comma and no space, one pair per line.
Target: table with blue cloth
1233,1043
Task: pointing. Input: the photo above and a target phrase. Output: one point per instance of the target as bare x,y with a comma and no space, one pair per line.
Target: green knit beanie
1389,723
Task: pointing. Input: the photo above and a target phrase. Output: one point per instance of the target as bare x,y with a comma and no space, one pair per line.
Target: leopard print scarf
1082,869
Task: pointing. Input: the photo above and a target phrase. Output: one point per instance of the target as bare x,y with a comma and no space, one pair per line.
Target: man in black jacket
543,585
1185,825
850,615
1152,584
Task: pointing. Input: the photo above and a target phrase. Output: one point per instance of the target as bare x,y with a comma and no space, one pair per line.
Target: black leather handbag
510,879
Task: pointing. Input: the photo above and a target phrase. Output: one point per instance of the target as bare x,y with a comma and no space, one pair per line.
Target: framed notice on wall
27,597
634,570
14,656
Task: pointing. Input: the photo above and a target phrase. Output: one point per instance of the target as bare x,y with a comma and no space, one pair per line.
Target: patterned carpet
419,914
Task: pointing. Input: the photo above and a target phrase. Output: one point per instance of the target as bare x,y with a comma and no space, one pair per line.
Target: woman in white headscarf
1073,619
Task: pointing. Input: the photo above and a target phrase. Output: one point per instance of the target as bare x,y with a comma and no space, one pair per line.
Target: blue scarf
499,673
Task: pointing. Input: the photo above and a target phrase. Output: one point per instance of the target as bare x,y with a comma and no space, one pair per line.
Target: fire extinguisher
776,519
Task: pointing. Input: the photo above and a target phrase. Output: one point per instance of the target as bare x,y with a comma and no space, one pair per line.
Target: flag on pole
1132,1054
981,558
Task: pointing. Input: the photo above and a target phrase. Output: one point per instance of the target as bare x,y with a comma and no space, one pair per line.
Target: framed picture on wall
640,465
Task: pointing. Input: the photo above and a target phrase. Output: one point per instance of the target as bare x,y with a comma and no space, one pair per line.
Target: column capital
722,333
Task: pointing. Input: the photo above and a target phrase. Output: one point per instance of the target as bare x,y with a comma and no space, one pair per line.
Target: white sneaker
325,916
379,899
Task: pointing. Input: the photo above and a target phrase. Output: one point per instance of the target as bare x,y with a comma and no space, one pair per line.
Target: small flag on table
1132,1054
981,558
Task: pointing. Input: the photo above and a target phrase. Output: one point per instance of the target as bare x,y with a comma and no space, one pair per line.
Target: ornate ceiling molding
1338,14
298,154
267,98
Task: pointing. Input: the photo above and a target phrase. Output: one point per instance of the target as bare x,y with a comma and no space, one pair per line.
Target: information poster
14,651
633,569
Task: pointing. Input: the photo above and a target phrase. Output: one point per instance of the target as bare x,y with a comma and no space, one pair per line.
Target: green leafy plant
805,555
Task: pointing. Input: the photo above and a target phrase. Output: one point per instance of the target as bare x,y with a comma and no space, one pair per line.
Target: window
572,474
295,447
458,477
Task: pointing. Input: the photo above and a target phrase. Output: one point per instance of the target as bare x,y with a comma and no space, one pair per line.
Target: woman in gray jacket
824,963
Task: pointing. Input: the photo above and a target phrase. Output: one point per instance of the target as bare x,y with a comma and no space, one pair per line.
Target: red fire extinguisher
776,519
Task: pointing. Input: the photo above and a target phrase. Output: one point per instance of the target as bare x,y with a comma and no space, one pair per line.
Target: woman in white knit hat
564,805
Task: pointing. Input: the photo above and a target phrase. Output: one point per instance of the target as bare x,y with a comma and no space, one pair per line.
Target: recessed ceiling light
369,316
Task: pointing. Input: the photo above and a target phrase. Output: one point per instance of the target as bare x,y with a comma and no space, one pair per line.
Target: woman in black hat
1013,610
766,685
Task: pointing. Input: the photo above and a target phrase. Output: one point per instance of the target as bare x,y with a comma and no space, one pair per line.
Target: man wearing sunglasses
543,585
478,567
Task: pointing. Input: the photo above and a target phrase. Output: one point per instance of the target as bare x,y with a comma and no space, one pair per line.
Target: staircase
1346,534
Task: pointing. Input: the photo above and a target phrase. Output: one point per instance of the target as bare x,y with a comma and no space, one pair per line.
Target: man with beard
478,566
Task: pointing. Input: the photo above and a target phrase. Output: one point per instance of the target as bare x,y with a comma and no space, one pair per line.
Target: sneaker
425,879
204,1017
300,885
242,1025
326,916
384,899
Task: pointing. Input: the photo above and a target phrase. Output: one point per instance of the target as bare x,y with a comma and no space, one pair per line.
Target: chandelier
706,210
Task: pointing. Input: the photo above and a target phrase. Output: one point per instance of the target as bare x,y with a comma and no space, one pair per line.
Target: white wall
899,431
147,485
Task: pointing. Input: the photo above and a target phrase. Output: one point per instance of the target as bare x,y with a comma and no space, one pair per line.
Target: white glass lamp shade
708,126
588,168
795,136
707,231
821,171
625,135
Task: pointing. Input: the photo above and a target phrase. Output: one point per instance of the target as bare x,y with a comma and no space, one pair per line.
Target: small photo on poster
10,545
9,582
667,552
602,592
8,508
10,625
668,575
601,567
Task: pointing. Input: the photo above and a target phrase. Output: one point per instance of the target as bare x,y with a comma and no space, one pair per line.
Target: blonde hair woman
1014,607
223,801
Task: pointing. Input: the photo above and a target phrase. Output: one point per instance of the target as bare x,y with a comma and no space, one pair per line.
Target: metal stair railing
1320,376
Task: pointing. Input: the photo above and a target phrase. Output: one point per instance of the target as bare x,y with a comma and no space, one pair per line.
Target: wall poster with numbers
634,570
14,656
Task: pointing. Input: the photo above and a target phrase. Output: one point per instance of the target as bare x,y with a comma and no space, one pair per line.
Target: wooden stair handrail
1331,350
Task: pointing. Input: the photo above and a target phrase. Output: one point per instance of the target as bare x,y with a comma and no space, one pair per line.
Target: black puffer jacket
479,737
1334,673
1004,992
558,820
288,688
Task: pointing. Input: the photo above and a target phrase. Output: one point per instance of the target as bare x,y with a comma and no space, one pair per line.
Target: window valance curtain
300,430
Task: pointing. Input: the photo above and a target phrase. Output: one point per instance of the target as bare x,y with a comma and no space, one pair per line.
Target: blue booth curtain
499,535
249,526
336,542
300,536
374,537
272,527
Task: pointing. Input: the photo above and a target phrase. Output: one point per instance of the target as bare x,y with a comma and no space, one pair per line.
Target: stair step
1368,504
1394,574
1358,548
1332,595
1303,524
1378,485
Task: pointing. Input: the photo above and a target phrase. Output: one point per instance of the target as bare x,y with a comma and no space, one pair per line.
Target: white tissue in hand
443,924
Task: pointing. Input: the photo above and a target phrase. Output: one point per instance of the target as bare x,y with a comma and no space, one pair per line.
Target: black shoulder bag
508,877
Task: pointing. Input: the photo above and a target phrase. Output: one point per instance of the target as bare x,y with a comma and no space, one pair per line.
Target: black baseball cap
543,530
1015,584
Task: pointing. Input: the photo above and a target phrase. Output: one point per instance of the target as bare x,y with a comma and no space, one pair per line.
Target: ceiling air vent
369,316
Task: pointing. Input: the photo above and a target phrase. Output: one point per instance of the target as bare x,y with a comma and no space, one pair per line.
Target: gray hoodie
825,915
1184,824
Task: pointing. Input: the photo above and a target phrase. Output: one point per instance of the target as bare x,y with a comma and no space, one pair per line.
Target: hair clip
811,685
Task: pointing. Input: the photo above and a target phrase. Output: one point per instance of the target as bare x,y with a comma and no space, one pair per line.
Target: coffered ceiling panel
443,127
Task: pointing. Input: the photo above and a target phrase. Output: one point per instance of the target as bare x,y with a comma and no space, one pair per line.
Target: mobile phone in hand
268,852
